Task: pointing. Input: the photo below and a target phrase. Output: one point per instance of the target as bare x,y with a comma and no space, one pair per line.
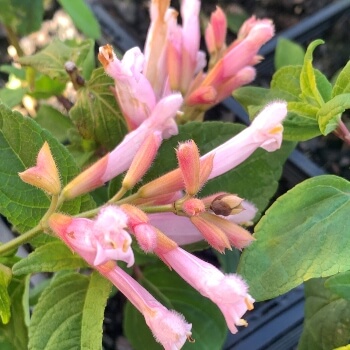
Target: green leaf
45,87
14,335
20,141
19,73
327,318
288,53
308,79
303,235
96,113
51,257
339,284
12,97
342,84
208,325
286,79
256,179
54,121
51,60
82,17
67,311
330,113
229,260
5,302
22,16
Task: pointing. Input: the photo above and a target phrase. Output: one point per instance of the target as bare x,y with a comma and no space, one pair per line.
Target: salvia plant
123,191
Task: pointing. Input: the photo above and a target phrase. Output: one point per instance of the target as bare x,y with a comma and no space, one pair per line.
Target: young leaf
342,84
69,313
309,221
20,141
82,17
96,113
327,318
43,260
22,16
174,293
330,113
308,84
340,284
45,87
51,60
288,53
5,302
12,97
255,180
14,335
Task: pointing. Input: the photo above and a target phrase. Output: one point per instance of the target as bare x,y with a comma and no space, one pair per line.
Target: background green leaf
51,59
288,53
208,325
96,113
82,17
342,84
256,179
22,16
303,235
339,284
20,141
14,335
327,318
69,313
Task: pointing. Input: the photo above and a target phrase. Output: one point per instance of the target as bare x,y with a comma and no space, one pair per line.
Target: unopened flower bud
44,174
188,157
227,204
142,160
193,206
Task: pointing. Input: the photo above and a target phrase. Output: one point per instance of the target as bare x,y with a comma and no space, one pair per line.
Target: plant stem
32,233
24,238
13,40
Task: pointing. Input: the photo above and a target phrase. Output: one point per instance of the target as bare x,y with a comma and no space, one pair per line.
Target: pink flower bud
44,174
215,34
142,160
188,157
193,206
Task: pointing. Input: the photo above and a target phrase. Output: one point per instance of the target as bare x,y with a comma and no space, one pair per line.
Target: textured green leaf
5,302
20,141
287,80
68,309
22,16
93,313
327,318
339,284
330,113
96,113
342,84
82,17
51,257
229,260
303,235
208,326
54,121
51,60
308,79
256,179
288,53
14,335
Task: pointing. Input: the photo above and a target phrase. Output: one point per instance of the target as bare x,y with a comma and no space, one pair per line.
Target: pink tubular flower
169,328
97,241
265,132
161,121
228,292
215,33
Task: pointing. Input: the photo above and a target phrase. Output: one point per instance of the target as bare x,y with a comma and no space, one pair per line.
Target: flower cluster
155,89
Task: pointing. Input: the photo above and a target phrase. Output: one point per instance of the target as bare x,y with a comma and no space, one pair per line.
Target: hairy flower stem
32,233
